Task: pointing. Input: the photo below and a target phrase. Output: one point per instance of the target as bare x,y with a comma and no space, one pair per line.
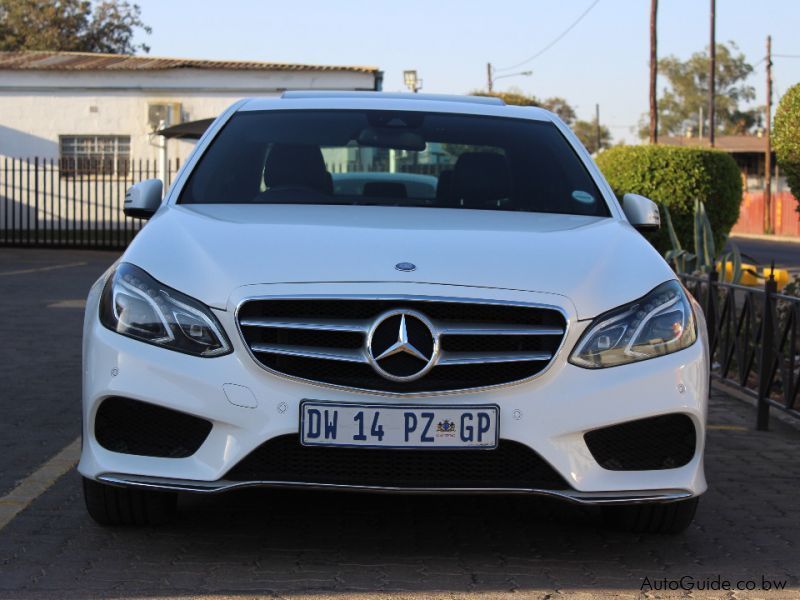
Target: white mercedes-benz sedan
396,293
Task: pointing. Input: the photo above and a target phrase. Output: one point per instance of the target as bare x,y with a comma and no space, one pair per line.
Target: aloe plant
735,257
705,256
703,239
678,257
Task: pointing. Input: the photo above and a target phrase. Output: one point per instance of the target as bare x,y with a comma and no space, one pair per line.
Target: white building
97,108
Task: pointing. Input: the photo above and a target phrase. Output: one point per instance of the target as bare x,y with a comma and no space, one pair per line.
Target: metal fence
753,336
46,202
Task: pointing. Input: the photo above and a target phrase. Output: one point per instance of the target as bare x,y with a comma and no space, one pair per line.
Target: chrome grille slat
307,324
471,358
363,326
337,354
323,340
494,329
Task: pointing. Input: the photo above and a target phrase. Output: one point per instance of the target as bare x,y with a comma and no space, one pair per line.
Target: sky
602,60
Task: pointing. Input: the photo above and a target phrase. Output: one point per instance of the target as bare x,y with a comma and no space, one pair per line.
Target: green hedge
787,138
676,177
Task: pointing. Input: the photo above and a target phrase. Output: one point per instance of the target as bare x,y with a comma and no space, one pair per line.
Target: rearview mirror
387,137
642,212
143,199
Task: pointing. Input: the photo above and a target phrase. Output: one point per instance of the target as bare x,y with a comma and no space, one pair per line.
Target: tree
561,108
71,25
786,138
518,98
677,177
587,132
687,93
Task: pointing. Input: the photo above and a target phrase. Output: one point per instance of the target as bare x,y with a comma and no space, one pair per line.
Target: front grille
132,427
655,443
324,340
510,465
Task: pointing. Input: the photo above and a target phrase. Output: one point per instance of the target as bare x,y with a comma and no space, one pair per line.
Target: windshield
393,158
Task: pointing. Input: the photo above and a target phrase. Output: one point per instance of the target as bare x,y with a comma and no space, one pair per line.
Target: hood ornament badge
402,345
406,267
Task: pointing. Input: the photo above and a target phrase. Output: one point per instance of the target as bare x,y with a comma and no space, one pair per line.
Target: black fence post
710,310
767,353
35,200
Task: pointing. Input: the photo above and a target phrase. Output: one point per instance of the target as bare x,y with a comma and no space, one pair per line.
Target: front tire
670,518
112,506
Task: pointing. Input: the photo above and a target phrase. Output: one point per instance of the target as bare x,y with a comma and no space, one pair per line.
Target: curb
781,239
774,413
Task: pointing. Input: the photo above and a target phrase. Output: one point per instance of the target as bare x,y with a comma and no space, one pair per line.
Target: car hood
207,251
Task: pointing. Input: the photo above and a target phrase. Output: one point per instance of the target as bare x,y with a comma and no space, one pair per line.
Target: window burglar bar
754,342
94,154
45,202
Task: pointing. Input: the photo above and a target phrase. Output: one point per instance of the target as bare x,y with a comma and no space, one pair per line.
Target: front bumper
549,413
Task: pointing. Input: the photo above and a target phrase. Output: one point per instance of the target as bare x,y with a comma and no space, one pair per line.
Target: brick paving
262,543
40,358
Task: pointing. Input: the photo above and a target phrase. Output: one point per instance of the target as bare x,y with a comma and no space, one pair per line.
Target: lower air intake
510,465
655,443
132,427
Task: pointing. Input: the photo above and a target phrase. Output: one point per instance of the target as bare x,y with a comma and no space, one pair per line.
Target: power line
787,55
555,41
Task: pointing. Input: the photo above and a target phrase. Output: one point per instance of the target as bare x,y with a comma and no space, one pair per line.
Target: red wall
785,218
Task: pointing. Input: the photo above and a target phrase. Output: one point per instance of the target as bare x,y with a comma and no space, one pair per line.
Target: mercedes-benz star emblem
402,345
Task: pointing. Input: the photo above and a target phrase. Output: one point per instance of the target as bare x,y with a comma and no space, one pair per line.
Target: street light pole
491,78
597,127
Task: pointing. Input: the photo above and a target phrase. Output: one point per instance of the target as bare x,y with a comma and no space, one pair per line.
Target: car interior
354,157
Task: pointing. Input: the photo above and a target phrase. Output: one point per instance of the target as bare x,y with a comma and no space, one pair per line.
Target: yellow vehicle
752,276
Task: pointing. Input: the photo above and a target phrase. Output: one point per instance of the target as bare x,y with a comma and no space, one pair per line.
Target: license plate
382,426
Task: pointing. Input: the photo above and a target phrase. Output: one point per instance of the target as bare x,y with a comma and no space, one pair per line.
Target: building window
94,154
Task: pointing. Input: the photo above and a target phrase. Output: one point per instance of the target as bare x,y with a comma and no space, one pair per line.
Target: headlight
136,305
660,323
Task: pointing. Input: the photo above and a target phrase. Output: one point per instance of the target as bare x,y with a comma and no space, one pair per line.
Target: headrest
480,179
289,164
385,189
444,188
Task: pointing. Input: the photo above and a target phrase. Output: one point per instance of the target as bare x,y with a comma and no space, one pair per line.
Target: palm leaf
708,237
723,266
673,237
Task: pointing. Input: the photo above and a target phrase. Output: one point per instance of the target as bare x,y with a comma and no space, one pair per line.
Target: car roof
317,100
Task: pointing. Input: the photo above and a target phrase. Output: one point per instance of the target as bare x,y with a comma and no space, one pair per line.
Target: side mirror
143,199
642,212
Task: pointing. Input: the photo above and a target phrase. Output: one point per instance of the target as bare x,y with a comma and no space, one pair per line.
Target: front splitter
220,486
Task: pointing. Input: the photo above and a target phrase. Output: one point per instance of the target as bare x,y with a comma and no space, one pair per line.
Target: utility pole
768,152
712,71
597,127
653,73
489,85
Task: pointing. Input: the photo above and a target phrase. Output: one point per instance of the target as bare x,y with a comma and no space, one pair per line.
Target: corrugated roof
729,143
88,61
